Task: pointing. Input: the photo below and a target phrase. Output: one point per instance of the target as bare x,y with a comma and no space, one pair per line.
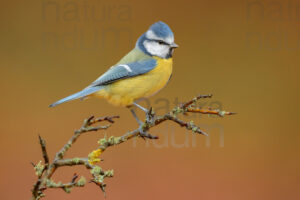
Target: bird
144,71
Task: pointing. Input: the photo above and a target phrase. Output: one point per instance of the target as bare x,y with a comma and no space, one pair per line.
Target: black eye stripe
162,42
159,41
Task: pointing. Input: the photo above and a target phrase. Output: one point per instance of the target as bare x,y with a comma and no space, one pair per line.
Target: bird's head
158,40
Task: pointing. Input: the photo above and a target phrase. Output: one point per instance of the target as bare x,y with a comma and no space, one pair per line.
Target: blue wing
123,71
115,73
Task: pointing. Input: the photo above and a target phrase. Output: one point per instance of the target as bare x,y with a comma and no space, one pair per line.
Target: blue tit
140,74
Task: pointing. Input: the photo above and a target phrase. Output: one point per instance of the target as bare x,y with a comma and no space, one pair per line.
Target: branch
45,172
152,120
86,127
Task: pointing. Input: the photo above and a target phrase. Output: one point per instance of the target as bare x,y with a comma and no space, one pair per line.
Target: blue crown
161,29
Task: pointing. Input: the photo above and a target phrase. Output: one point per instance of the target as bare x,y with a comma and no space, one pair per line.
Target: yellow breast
124,92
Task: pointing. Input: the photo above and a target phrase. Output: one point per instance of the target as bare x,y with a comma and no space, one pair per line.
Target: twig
212,112
86,127
44,151
194,100
75,176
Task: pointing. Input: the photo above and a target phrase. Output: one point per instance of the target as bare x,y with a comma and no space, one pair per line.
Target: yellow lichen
94,156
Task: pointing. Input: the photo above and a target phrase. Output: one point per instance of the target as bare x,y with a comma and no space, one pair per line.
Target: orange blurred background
246,53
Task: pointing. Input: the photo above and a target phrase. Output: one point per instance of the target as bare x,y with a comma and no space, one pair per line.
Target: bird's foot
149,119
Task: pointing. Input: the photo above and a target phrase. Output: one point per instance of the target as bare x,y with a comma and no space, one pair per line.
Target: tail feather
78,95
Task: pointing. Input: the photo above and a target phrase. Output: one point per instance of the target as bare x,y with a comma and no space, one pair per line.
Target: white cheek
156,49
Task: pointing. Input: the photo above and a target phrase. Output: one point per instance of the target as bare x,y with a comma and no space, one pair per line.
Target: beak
174,45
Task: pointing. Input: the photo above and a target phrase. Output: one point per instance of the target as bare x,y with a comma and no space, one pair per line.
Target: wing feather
123,71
